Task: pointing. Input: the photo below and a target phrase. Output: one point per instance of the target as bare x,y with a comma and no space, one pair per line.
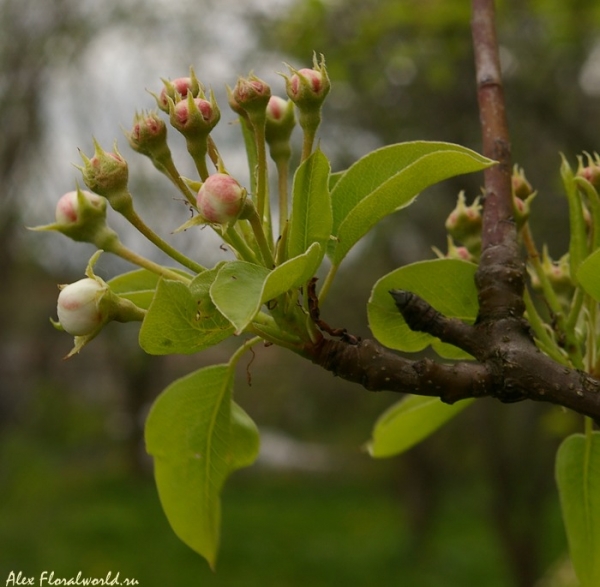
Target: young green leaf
389,179
447,284
578,247
578,478
197,438
138,286
180,322
311,217
588,275
241,288
410,421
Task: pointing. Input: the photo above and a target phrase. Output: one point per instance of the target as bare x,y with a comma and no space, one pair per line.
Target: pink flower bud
251,95
107,174
68,208
314,81
149,133
521,187
590,173
195,117
307,88
183,112
221,199
176,90
464,224
279,126
77,309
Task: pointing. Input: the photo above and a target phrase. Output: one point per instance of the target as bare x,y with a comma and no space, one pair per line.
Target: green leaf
179,321
578,478
447,284
311,217
197,438
138,286
588,275
410,421
578,245
389,179
241,288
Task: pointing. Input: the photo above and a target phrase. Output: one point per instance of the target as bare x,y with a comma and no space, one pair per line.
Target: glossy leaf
410,421
588,275
138,286
241,288
578,478
388,179
197,438
447,284
179,321
311,218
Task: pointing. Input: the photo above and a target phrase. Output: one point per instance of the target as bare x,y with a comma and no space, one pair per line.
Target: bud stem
167,167
132,216
309,122
570,345
327,283
235,240
259,234
119,249
282,185
258,124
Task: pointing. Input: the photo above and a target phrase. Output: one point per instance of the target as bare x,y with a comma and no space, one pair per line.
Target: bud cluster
241,217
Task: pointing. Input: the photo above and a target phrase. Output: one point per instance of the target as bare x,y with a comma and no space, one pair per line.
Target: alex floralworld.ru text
49,578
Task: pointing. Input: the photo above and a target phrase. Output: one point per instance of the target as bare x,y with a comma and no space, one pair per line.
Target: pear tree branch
508,365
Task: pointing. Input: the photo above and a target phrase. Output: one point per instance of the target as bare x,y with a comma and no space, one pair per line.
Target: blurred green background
475,504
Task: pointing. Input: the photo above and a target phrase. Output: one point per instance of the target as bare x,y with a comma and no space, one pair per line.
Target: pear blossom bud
189,112
522,209
252,95
591,170
148,135
279,126
221,199
70,207
308,88
107,174
176,90
77,309
464,224
521,187
81,216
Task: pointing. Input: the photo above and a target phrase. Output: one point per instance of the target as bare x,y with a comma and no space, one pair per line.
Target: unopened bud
107,174
591,170
464,224
521,187
522,209
77,308
280,124
81,216
148,135
221,199
84,307
177,89
252,95
308,88
558,275
73,207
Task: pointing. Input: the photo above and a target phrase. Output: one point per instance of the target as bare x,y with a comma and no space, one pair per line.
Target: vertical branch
500,274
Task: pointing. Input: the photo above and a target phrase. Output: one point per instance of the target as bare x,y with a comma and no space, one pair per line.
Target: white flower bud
77,309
